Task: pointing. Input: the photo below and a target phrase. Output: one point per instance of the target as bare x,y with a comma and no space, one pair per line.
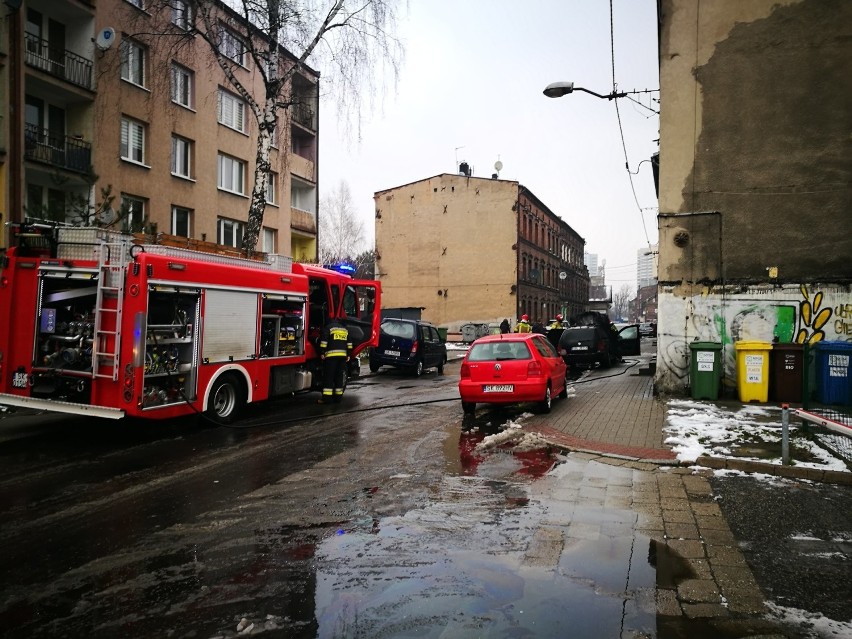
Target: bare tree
341,233
351,40
621,301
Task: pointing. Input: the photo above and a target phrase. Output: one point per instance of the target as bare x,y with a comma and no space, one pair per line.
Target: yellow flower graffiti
811,318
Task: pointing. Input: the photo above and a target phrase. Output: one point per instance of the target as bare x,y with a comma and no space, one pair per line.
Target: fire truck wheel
226,400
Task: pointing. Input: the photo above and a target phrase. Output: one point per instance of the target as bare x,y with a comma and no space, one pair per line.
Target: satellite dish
498,166
105,38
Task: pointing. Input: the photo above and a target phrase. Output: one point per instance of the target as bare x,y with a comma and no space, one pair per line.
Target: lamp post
558,89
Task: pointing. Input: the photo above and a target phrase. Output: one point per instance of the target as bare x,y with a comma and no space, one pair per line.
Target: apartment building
466,249
117,108
755,229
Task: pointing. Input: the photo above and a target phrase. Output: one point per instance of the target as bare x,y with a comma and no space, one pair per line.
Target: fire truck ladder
113,264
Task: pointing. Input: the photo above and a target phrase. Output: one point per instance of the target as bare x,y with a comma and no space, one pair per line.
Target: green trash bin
705,369
442,333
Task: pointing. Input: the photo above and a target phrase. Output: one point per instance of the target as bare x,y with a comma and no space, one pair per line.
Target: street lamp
558,89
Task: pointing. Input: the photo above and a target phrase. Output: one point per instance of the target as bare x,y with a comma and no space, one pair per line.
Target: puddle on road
490,556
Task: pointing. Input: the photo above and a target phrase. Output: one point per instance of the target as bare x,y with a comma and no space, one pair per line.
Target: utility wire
620,128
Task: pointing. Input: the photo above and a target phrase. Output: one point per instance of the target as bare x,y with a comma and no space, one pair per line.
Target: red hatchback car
510,369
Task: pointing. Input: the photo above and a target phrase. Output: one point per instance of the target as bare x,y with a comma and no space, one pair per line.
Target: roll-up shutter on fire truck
230,325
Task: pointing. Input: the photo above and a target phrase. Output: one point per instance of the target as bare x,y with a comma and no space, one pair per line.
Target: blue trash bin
834,373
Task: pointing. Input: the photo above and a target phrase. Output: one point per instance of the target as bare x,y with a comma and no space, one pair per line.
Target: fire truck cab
106,324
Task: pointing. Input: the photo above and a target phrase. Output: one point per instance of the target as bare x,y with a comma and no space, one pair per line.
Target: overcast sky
470,89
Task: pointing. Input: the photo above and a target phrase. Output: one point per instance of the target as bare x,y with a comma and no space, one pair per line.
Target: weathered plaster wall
755,173
446,245
790,313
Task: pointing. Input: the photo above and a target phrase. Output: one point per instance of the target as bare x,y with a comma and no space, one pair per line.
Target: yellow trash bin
753,370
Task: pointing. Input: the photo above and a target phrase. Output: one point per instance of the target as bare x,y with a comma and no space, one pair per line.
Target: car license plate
579,348
498,388
392,353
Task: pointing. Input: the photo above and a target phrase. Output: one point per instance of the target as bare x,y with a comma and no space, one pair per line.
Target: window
231,46
231,174
181,219
230,232
268,240
183,86
132,141
232,111
271,182
133,62
181,157
133,213
181,14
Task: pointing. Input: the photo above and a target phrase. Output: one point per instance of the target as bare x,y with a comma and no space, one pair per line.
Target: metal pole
785,434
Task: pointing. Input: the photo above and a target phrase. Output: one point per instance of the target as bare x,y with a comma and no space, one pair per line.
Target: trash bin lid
787,346
753,345
705,346
836,345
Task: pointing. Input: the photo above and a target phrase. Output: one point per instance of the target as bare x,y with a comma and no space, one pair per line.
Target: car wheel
418,368
564,393
226,400
374,368
547,402
606,362
469,408
441,365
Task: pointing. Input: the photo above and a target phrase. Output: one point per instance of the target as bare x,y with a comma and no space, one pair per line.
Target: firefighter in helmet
524,324
335,349
554,330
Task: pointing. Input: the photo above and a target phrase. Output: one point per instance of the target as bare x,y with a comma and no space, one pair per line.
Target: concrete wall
755,170
446,244
803,314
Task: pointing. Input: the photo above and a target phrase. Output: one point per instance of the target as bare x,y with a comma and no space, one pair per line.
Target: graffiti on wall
812,318
792,314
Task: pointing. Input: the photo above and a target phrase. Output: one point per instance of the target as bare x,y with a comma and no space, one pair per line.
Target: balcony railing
60,63
302,220
304,115
57,150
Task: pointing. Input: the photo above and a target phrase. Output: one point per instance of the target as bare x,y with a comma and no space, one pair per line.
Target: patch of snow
695,428
815,625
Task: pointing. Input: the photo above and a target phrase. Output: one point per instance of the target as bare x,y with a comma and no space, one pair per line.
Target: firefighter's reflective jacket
334,341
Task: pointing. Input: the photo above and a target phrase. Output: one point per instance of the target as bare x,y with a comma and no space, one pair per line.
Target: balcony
63,64
57,150
302,167
302,221
304,115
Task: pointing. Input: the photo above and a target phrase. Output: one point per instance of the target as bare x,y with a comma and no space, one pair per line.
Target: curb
668,458
838,477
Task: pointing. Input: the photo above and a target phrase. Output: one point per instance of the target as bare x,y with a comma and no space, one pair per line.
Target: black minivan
411,345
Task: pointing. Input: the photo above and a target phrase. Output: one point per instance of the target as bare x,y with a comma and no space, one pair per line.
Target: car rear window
489,351
405,330
579,333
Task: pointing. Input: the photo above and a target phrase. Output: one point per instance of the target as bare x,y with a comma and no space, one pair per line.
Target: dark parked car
411,345
648,329
593,340
511,369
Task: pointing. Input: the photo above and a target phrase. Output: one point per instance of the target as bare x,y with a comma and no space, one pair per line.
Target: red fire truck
99,323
